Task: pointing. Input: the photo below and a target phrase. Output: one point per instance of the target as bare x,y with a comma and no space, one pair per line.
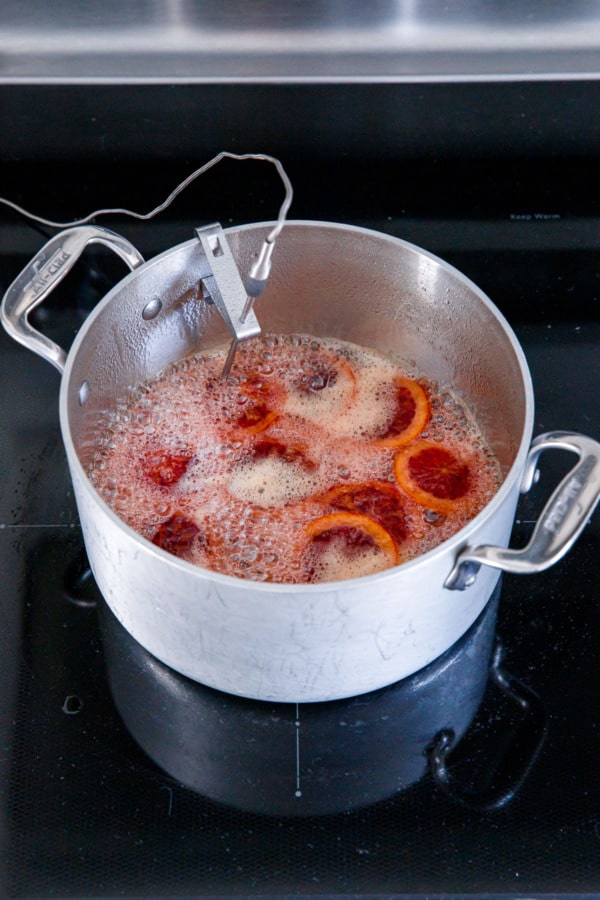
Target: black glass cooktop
120,779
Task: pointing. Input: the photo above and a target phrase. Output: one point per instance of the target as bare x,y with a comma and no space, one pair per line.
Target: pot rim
460,539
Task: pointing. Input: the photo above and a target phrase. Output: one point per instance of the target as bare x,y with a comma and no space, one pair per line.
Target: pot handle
560,523
47,269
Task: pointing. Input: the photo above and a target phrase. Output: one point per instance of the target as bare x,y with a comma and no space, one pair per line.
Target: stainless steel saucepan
299,643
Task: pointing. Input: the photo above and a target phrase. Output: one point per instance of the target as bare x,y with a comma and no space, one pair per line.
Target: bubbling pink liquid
232,475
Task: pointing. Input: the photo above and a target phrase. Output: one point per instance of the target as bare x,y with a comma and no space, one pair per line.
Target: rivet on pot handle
560,522
43,273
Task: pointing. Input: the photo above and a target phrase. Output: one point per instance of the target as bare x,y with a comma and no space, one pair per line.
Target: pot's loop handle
47,269
512,757
560,523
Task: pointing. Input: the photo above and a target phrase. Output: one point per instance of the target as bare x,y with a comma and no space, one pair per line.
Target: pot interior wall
326,280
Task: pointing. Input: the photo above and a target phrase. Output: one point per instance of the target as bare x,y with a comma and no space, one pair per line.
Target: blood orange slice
379,500
410,414
166,469
347,545
432,475
321,387
256,418
177,534
324,374
291,453
260,398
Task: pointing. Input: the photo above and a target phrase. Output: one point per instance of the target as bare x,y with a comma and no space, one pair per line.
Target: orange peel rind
411,414
347,522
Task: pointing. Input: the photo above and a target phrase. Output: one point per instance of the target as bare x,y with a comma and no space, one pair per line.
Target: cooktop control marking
298,792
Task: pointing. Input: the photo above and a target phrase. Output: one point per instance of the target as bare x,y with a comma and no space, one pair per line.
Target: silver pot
302,643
